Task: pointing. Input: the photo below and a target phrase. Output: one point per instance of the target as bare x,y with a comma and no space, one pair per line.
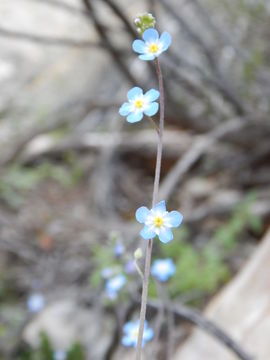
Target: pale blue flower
153,45
114,284
139,104
35,302
158,221
163,269
107,272
119,249
130,267
131,332
60,355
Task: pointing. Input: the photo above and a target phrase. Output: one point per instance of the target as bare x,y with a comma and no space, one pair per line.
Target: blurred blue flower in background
131,332
107,272
158,221
153,45
35,302
139,104
114,284
119,249
130,267
163,269
60,355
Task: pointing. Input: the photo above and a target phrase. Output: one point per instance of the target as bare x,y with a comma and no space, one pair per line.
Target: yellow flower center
139,104
136,333
153,48
158,221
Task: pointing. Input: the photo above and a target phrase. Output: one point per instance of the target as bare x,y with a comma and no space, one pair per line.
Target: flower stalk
154,201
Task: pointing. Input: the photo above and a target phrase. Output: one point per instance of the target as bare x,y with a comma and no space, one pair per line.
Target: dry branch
200,145
175,142
214,330
46,40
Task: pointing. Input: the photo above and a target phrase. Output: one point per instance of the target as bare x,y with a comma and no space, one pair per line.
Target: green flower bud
138,254
144,21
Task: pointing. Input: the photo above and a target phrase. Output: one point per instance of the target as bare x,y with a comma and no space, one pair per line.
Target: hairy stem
155,197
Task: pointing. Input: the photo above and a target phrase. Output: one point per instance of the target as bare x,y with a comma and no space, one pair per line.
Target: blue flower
107,272
114,285
153,45
35,302
131,332
130,267
60,355
158,221
139,104
163,269
118,249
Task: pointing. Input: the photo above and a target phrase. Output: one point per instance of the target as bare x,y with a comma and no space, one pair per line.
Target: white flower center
163,267
140,103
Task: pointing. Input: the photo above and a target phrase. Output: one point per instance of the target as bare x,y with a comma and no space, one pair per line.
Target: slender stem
138,269
153,124
155,196
160,133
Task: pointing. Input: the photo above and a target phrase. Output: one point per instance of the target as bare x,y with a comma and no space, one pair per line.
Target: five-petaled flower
139,104
158,221
153,45
114,284
163,269
131,332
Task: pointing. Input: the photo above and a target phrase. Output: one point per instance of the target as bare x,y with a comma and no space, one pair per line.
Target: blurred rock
242,310
66,322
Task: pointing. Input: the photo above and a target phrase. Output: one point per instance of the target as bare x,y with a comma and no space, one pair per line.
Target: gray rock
66,322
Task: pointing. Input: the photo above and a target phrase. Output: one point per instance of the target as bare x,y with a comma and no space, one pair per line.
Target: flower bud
138,254
144,21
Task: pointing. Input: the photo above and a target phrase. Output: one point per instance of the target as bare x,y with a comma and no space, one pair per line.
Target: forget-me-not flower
119,249
158,221
131,332
35,302
130,267
139,104
153,45
60,355
163,269
114,284
107,272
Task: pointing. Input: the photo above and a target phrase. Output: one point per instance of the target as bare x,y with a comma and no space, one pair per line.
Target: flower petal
135,117
128,327
128,341
138,46
150,35
165,235
148,334
125,109
136,91
147,57
174,218
152,109
147,233
141,214
161,206
166,40
152,95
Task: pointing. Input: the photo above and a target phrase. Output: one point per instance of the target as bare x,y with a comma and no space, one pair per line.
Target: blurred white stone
242,309
66,322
